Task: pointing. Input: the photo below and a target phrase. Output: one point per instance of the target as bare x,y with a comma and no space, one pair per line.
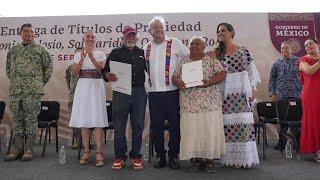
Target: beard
130,44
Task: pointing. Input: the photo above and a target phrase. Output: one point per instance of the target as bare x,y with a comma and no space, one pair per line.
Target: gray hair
157,19
197,37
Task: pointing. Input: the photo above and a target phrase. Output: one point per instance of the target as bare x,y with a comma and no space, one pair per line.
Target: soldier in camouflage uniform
28,67
72,83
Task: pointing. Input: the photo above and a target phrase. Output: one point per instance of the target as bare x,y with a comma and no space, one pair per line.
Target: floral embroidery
197,99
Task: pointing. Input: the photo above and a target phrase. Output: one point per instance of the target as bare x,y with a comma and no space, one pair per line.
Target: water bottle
146,152
288,149
62,155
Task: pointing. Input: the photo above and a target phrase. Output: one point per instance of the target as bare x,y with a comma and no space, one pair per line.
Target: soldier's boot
28,149
17,149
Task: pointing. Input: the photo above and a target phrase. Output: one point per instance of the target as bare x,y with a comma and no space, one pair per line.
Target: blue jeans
122,106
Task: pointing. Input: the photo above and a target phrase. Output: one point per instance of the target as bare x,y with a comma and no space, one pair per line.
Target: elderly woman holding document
202,132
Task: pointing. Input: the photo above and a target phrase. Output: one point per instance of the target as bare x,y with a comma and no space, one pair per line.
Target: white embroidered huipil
242,77
157,63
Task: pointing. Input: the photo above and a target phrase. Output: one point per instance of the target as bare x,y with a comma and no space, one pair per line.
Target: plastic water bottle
288,149
146,152
62,155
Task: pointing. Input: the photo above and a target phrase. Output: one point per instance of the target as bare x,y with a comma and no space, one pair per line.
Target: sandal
196,165
85,158
209,167
99,162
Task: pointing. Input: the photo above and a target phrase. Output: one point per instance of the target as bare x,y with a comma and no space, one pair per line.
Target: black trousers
284,127
165,106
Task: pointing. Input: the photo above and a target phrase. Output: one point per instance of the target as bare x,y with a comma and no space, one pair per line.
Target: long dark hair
221,49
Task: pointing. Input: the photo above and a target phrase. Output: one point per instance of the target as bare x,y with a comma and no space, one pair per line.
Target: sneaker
118,164
137,164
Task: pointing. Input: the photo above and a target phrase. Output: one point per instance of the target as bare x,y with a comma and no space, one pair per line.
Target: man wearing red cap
123,104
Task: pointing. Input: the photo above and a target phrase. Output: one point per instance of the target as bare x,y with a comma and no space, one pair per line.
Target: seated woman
201,123
89,104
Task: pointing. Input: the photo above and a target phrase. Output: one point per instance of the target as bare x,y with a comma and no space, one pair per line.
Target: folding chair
2,108
48,117
110,122
267,113
290,113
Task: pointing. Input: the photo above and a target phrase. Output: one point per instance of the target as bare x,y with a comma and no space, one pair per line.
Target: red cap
127,30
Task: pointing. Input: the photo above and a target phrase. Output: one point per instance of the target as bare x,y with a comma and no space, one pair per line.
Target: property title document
191,74
123,73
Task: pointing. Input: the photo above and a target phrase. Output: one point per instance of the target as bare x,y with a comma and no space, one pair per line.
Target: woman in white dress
239,91
89,105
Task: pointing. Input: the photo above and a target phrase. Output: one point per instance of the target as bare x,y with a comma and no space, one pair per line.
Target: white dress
242,77
89,104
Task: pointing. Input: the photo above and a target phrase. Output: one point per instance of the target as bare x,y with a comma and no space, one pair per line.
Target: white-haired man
162,54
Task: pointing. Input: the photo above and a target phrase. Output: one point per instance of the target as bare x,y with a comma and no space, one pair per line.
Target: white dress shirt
157,63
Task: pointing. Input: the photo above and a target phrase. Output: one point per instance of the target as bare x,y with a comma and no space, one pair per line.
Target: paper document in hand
192,74
123,73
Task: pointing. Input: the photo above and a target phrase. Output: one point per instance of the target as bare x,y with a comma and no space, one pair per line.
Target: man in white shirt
162,55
